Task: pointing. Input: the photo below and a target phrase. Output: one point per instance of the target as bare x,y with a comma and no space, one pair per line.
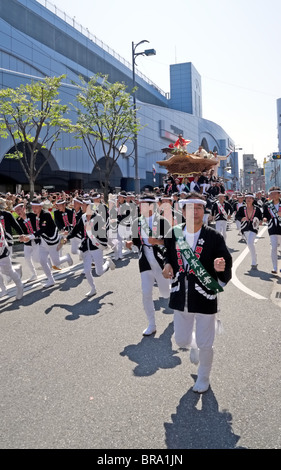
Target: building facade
279,124
38,40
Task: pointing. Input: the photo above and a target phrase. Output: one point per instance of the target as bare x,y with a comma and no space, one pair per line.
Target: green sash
208,281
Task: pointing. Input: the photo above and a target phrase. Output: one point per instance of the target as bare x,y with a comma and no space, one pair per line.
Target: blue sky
234,45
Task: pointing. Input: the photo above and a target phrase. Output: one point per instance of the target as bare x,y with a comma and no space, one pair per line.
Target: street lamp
135,54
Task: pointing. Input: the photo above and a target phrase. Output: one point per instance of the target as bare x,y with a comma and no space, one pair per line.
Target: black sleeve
15,224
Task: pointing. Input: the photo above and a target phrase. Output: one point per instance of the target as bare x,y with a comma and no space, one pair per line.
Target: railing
85,31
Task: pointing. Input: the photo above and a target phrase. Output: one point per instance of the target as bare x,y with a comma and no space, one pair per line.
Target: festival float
181,163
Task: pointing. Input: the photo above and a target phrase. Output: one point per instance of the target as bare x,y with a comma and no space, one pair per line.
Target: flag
153,170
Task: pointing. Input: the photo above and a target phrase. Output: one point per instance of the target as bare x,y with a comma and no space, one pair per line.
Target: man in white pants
47,230
272,215
124,220
148,232
77,213
92,229
6,267
221,213
27,222
199,264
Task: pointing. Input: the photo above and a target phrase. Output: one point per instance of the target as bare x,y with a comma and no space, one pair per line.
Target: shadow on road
86,307
159,354
198,424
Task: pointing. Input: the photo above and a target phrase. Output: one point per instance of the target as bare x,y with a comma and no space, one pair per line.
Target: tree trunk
106,190
31,188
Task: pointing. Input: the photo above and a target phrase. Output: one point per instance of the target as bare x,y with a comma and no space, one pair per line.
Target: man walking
199,264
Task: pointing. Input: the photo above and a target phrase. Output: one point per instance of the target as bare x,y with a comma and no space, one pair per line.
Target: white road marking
236,263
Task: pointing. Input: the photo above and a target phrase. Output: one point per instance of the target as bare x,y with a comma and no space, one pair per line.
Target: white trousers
7,269
203,325
75,243
46,251
148,279
124,232
250,238
31,256
221,227
101,266
197,330
275,240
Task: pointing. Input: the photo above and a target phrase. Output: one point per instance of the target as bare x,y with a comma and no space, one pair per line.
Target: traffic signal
276,156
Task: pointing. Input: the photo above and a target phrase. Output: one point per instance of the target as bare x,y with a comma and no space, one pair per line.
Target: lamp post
135,54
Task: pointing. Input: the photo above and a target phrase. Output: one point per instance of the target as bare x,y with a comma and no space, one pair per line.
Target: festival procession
178,231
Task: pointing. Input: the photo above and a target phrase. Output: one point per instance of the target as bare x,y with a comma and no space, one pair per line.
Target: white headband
77,200
37,203
148,200
96,197
60,202
87,201
18,205
250,195
275,191
192,201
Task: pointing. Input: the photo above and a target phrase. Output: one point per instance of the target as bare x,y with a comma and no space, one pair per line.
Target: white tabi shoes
49,283
111,264
92,292
201,385
150,330
19,292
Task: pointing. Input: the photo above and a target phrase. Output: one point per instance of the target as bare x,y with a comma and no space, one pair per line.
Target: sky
233,44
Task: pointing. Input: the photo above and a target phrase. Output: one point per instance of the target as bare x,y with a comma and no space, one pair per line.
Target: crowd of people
179,232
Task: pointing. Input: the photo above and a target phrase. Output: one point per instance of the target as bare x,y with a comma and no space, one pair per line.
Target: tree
106,115
33,117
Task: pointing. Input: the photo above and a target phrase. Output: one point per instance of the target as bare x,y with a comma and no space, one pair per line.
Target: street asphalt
76,373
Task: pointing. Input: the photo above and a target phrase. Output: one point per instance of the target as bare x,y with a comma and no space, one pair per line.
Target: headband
18,205
250,195
148,200
60,202
37,203
77,200
96,197
87,201
275,191
192,201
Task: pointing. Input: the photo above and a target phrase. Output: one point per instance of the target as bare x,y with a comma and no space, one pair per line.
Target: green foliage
105,115
34,118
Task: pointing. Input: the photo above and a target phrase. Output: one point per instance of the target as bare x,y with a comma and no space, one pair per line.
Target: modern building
271,164
39,40
279,123
250,167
